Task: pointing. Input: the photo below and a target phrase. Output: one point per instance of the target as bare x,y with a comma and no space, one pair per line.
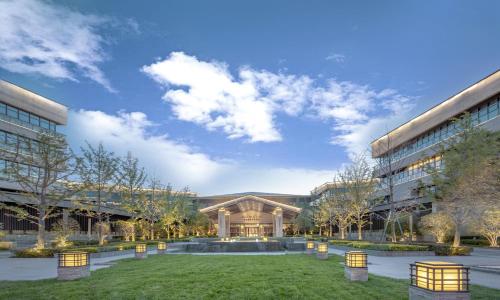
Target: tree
467,182
99,171
43,170
358,184
133,178
152,203
388,164
322,217
489,226
303,221
438,224
127,229
64,230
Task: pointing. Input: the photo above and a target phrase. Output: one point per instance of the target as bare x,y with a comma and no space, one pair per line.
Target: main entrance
250,216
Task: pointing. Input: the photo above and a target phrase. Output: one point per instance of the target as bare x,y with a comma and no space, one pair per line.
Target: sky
237,96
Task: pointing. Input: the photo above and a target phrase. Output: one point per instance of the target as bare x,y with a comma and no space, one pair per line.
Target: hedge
379,247
446,250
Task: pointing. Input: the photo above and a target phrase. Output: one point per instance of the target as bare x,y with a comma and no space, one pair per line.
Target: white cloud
178,163
38,37
207,94
337,57
247,106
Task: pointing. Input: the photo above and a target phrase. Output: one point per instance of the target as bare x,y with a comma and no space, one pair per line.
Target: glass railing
28,126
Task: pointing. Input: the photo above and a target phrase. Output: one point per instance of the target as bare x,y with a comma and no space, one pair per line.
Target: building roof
451,107
259,194
31,102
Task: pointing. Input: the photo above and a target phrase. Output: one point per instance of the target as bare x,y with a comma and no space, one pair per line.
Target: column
65,217
228,223
279,222
89,228
221,228
274,223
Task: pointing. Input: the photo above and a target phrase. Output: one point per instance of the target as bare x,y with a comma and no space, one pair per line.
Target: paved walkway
399,267
393,267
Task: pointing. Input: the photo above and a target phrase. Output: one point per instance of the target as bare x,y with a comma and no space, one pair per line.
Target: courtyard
272,275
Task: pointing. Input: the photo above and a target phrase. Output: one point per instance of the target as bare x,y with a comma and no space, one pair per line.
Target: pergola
250,215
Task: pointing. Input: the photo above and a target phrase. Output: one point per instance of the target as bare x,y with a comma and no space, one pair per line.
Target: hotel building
23,115
406,151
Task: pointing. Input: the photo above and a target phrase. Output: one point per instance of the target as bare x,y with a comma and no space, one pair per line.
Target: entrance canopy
252,203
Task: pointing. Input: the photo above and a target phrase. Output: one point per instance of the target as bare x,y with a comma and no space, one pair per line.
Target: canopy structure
250,216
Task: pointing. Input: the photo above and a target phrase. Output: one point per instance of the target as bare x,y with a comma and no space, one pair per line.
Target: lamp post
356,266
73,265
322,251
141,251
161,248
439,280
309,247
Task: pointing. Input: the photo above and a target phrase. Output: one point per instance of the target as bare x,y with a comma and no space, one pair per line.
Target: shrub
5,245
379,247
475,242
446,250
437,224
36,253
63,231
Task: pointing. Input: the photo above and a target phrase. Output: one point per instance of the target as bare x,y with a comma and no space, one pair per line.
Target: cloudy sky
226,96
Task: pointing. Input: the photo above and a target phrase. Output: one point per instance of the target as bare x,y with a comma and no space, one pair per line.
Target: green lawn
219,277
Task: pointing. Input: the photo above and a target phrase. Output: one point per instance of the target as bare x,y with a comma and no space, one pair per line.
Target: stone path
399,267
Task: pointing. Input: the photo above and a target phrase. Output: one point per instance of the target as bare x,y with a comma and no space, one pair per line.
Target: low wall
385,253
242,246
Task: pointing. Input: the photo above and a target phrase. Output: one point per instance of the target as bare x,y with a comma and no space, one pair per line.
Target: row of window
26,117
25,170
10,142
480,114
414,171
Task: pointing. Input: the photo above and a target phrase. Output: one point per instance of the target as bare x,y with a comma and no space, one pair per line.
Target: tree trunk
456,238
342,233
319,230
393,231
168,232
40,238
360,232
152,231
330,231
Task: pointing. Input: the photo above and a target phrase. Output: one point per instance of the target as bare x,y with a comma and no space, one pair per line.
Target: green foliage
475,242
379,247
447,250
220,277
36,253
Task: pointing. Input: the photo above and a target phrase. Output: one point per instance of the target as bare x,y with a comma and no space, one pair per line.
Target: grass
219,277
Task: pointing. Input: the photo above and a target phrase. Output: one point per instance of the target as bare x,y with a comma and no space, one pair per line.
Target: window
35,120
12,112
24,116
44,123
52,126
3,108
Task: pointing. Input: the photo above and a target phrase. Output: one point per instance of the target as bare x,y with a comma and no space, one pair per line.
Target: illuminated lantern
356,266
264,239
322,251
443,280
141,251
162,247
73,265
310,247
120,248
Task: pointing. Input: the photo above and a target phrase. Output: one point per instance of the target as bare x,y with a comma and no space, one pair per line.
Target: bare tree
488,225
153,203
99,171
358,184
43,170
437,224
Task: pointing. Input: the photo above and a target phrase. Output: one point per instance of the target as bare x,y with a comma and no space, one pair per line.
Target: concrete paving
399,267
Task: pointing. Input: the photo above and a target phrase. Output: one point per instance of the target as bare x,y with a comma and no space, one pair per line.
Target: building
23,115
252,214
405,151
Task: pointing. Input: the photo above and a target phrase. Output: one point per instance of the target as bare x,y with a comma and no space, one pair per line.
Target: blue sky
226,96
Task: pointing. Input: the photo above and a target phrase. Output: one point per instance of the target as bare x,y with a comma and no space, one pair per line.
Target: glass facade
10,142
414,171
26,117
484,112
25,170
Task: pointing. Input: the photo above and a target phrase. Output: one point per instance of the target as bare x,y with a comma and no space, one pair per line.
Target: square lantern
73,265
162,248
439,280
141,251
309,247
356,266
322,251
